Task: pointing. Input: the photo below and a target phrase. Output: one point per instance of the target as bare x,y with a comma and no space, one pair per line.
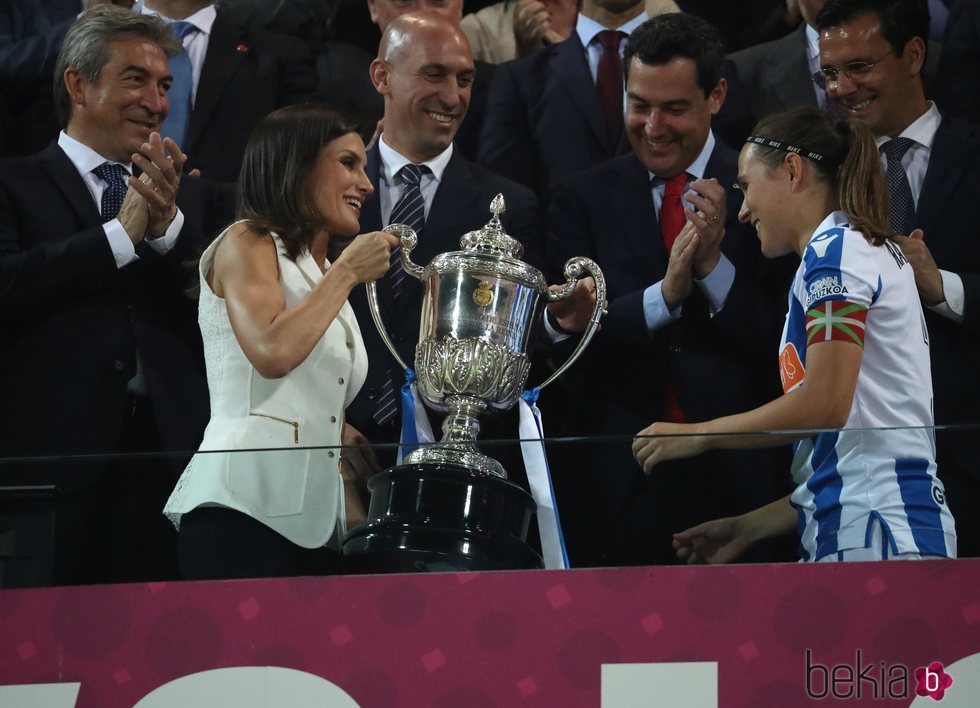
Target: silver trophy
481,314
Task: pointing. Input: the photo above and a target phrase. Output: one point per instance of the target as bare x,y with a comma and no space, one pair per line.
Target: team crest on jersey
824,287
821,243
791,371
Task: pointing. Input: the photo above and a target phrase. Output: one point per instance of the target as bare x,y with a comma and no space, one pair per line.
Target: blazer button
350,345
341,380
333,419
330,454
118,363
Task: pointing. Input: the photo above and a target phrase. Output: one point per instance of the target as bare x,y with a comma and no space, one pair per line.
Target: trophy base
435,517
456,455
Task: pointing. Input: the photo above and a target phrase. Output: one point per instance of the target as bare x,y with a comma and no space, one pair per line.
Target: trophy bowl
481,315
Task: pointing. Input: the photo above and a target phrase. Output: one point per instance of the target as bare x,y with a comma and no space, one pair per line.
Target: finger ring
713,219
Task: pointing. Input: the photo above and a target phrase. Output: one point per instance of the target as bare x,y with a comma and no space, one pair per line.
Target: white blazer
269,450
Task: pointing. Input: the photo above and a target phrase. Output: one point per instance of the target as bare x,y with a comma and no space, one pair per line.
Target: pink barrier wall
507,638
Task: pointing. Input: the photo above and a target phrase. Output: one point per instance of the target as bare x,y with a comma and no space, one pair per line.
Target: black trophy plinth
435,517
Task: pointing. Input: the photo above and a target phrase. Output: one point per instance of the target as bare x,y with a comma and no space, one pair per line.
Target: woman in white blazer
266,494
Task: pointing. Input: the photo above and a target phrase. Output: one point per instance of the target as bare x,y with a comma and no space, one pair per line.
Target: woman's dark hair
850,166
273,185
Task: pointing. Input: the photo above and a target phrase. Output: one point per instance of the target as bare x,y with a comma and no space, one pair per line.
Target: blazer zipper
282,420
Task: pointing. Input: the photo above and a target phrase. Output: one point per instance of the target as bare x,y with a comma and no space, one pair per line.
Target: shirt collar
392,161
84,158
812,42
697,168
587,28
203,19
922,130
834,218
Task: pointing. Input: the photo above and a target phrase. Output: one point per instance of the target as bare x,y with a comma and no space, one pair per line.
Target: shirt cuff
163,244
123,250
554,336
953,306
717,284
655,310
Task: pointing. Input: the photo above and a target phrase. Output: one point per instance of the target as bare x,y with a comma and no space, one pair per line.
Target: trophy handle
409,239
573,274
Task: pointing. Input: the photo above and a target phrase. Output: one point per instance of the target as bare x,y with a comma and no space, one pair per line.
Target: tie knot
181,29
111,173
610,40
412,174
674,187
896,148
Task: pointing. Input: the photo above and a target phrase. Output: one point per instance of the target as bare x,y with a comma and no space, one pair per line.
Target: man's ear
75,84
716,99
915,55
380,74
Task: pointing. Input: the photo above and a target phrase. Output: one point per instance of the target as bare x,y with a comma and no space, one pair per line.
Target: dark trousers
219,543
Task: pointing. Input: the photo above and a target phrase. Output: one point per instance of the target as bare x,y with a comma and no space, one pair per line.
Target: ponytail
861,190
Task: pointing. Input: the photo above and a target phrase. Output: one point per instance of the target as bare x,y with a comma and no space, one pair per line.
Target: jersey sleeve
840,283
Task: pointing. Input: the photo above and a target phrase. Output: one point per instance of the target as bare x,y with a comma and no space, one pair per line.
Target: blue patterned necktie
410,210
114,176
179,97
901,208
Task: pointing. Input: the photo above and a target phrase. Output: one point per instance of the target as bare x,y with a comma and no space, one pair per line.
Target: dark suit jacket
31,34
543,119
247,74
344,81
461,204
71,322
716,365
958,77
952,234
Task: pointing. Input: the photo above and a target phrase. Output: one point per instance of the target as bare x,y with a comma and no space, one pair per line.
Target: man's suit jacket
952,233
765,79
958,77
31,35
71,322
344,80
461,204
246,75
716,365
544,121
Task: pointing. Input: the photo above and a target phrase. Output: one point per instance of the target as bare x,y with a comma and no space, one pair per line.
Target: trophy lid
492,238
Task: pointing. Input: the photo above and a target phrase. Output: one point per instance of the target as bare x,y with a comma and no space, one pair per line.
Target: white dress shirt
196,43
390,185
922,131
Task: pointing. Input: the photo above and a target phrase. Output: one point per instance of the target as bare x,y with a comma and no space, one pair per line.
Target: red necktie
672,215
672,220
609,83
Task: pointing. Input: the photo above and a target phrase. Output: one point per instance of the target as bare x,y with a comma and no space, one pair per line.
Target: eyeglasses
828,76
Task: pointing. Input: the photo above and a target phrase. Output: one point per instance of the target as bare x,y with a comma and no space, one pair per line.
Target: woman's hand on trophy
667,441
574,313
368,256
358,462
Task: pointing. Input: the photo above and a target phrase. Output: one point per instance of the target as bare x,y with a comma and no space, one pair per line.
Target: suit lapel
570,66
222,60
632,199
66,179
789,72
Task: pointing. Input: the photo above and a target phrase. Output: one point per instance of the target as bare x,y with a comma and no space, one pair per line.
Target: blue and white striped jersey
881,465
